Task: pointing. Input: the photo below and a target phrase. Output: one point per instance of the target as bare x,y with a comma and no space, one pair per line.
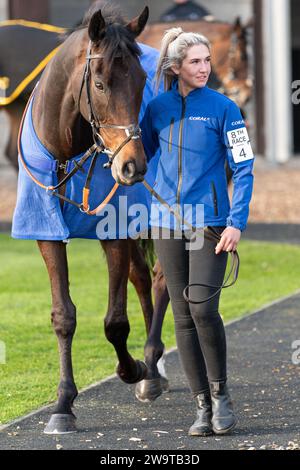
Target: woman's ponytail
163,65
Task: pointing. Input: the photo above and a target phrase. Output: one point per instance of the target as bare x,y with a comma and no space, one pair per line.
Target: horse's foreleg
63,317
116,322
149,390
161,302
139,275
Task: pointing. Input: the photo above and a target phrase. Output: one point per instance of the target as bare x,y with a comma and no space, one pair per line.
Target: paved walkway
264,383
273,232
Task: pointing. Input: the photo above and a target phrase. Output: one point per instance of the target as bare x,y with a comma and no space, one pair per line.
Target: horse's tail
147,247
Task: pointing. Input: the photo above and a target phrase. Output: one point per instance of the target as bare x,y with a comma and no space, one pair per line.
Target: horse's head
113,91
236,81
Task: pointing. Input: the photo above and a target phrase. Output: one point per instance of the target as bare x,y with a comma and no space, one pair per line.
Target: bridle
133,131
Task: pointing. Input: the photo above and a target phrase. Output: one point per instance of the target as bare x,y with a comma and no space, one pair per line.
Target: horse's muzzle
131,174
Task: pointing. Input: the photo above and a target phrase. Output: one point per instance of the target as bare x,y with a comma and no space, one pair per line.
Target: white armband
240,145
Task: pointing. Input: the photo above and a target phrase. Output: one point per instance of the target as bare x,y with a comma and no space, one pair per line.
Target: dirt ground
276,195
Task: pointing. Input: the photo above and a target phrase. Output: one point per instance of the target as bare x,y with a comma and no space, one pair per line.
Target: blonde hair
174,46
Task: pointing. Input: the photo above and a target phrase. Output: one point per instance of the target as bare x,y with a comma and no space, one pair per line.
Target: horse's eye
100,86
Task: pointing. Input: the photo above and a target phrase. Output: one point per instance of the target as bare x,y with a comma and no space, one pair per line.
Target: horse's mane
117,41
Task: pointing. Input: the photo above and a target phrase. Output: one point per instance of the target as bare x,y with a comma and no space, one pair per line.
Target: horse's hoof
61,424
141,372
148,390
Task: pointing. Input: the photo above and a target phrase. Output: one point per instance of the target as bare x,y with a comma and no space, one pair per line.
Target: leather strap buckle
62,166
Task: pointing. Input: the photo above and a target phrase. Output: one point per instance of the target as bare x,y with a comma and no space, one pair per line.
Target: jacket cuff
235,224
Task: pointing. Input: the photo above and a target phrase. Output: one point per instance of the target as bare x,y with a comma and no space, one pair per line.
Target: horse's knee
64,320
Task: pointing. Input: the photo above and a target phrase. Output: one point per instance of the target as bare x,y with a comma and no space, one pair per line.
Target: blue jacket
191,138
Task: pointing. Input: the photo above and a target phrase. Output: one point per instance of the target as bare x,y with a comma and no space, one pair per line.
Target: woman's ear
175,69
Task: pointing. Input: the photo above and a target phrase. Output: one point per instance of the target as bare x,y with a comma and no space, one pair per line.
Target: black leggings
199,328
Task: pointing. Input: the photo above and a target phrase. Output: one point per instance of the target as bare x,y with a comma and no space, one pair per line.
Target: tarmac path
264,372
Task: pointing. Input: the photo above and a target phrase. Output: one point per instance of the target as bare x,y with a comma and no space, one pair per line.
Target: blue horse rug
38,214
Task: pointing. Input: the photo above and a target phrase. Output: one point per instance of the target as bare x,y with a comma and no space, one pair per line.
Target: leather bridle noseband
133,131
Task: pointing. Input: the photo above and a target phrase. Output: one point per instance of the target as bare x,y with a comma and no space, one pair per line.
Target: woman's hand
229,240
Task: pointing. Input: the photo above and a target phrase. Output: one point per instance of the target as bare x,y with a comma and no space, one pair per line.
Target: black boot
223,419
202,426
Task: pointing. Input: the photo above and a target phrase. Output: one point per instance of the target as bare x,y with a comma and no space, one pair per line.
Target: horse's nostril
129,170
143,171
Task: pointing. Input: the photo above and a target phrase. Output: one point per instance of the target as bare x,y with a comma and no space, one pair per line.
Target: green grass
30,376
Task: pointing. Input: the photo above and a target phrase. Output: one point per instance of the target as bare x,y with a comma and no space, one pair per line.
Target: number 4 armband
239,145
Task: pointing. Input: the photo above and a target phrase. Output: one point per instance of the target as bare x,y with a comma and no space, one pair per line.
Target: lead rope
209,234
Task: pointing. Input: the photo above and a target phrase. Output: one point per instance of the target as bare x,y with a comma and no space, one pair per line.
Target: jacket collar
194,93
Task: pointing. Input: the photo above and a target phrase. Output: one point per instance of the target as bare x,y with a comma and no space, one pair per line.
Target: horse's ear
237,25
96,26
137,25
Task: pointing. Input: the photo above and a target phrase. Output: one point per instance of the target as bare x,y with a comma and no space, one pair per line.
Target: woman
192,130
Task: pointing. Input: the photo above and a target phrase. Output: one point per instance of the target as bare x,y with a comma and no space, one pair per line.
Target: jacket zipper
180,151
171,134
215,198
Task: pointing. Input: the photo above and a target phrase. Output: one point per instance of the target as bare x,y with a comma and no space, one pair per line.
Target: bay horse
91,92
128,253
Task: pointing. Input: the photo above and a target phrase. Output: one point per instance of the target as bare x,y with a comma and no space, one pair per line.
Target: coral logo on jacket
199,118
238,123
